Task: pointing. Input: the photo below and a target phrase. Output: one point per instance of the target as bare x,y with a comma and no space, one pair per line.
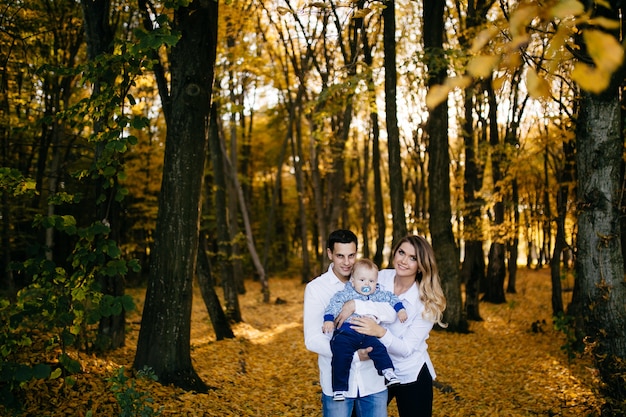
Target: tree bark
396,184
225,253
164,337
439,172
496,270
600,270
206,282
99,34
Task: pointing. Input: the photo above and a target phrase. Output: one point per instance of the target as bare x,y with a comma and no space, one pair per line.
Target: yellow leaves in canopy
438,93
537,87
567,16
607,55
567,8
482,66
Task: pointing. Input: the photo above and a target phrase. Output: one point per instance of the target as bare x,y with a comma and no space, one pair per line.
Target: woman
415,280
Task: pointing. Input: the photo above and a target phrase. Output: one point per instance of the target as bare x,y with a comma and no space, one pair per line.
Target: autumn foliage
512,363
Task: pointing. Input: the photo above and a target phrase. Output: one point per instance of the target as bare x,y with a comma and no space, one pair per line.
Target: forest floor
501,368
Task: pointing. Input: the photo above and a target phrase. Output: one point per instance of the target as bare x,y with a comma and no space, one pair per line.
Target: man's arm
314,339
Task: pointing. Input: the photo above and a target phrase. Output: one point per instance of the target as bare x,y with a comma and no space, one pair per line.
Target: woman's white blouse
406,342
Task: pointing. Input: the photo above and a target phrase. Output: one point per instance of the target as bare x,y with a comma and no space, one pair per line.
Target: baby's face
364,281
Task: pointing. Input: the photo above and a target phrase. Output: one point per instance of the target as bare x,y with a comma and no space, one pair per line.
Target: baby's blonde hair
364,263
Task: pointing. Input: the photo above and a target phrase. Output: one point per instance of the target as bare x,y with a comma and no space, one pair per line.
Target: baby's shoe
391,377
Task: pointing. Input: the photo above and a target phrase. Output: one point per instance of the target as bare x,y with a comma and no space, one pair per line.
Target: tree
439,171
164,338
100,35
396,185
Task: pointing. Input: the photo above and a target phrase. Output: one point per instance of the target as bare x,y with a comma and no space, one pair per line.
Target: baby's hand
402,316
328,327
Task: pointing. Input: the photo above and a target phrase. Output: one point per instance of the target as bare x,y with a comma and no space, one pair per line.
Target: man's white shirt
364,378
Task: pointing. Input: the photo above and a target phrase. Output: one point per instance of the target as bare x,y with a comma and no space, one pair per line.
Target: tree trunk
206,283
473,267
439,172
560,247
600,270
99,34
379,208
225,254
164,337
496,271
396,184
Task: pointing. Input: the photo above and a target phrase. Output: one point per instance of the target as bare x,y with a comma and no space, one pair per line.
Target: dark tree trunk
496,271
473,267
600,270
496,274
224,252
99,34
561,246
164,337
396,184
379,209
206,283
439,172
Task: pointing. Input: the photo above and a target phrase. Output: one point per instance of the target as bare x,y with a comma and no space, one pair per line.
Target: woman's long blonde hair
428,280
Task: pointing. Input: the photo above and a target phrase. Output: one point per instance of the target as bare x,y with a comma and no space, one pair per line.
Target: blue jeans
373,405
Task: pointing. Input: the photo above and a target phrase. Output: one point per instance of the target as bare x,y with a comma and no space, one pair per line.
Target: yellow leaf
483,38
567,8
283,10
482,66
603,22
590,78
361,13
537,87
458,82
604,49
498,82
521,18
436,95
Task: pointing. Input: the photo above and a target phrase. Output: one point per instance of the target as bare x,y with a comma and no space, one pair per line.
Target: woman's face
405,261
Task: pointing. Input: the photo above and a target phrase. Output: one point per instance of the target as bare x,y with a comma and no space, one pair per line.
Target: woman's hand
366,325
346,311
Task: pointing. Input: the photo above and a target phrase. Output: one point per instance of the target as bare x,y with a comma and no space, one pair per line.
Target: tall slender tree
439,170
396,184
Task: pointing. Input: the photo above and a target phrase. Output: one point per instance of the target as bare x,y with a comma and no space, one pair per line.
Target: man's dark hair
341,236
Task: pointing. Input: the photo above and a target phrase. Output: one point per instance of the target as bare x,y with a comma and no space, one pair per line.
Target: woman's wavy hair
428,280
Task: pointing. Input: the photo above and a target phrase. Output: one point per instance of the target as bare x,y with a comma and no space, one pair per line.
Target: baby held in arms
363,285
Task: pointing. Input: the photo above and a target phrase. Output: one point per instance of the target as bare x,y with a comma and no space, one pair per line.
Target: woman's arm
411,340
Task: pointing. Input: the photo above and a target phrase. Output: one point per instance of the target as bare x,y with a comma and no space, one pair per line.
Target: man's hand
346,311
364,353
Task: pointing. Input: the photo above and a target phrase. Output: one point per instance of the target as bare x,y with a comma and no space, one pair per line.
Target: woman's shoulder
386,276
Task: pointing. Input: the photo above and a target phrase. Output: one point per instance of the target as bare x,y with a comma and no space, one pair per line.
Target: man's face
343,257
364,281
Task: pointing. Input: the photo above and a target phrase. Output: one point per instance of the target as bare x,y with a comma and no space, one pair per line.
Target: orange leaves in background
510,364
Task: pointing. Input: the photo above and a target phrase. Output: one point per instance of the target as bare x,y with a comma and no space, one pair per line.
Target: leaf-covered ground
501,368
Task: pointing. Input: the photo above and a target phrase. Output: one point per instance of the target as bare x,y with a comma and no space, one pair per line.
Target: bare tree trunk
224,239
396,184
379,208
439,173
496,270
220,323
164,337
473,267
599,261
99,34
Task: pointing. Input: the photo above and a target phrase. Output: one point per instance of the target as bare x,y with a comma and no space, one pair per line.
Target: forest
194,149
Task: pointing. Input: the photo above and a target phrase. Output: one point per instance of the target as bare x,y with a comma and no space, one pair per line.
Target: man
367,393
